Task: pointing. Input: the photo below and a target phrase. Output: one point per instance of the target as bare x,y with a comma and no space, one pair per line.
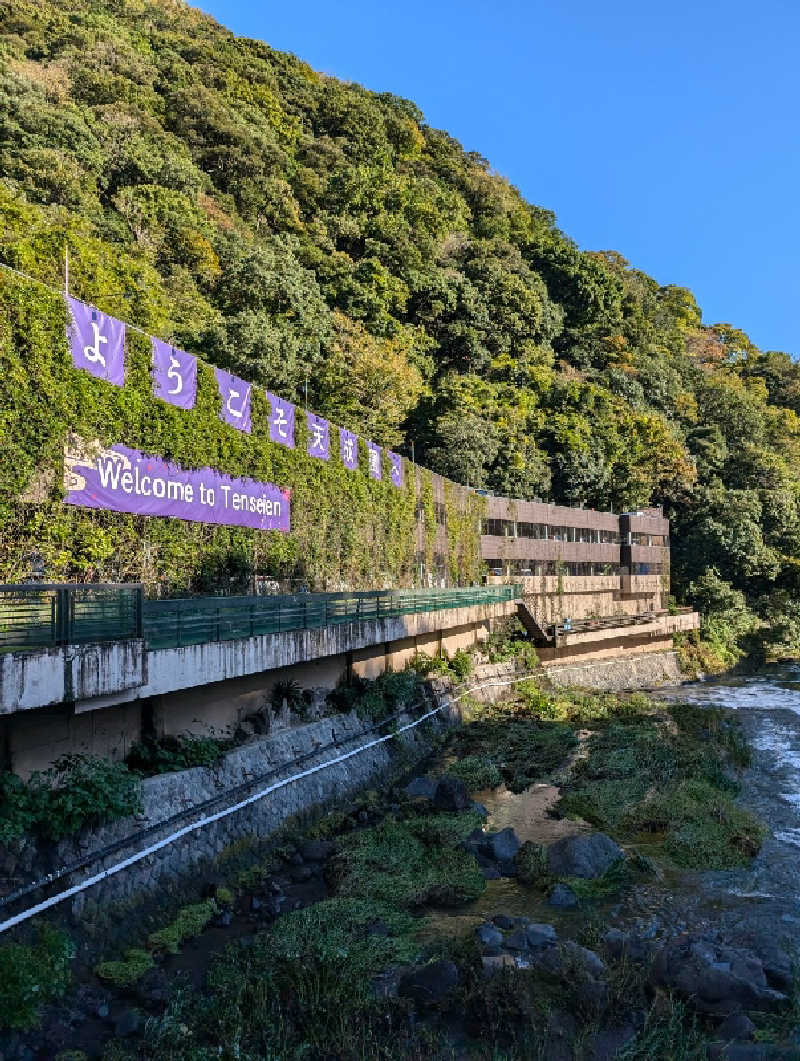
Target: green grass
512,737
33,974
668,774
191,921
477,772
126,971
300,990
411,863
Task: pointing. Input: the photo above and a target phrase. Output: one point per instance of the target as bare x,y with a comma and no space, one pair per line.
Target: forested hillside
295,228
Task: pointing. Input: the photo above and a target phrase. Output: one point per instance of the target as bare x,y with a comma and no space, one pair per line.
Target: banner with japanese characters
281,421
235,397
374,453
396,462
319,436
174,375
348,448
97,342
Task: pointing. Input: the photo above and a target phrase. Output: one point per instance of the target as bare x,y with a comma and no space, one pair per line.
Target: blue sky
668,132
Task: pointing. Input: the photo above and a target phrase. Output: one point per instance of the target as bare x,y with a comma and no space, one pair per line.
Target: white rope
54,900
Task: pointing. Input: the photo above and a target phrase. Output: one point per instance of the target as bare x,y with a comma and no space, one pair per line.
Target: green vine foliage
348,530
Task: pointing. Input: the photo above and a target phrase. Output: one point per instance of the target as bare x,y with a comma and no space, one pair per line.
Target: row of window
640,538
509,528
647,569
549,567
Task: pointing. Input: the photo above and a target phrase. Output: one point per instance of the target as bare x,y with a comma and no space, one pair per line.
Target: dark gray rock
563,897
606,1045
317,850
540,935
626,945
737,1026
517,940
715,978
491,872
479,809
584,959
430,984
489,936
587,856
504,922
301,873
127,1024
421,788
501,846
451,794
103,1011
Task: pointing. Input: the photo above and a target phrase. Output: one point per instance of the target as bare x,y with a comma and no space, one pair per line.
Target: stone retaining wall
646,670
174,871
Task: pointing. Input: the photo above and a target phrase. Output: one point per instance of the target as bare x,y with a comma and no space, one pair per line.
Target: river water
739,905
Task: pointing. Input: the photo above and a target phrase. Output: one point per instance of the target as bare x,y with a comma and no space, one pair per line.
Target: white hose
46,904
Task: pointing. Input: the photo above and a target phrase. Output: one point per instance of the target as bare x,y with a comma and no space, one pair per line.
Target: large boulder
421,788
501,846
714,977
587,855
451,794
429,984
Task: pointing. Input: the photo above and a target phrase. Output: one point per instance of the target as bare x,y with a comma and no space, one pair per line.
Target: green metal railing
194,621
34,615
38,616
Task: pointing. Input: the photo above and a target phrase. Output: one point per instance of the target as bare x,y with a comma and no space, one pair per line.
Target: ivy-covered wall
348,531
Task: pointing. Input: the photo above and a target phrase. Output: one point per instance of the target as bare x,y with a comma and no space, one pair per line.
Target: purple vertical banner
374,452
281,421
174,375
97,342
348,448
235,396
319,436
397,467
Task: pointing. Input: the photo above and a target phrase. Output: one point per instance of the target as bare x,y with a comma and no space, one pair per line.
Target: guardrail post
139,604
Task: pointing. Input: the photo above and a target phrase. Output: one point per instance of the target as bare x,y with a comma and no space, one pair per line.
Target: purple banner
397,467
348,448
319,436
374,452
124,480
174,375
281,421
97,342
235,395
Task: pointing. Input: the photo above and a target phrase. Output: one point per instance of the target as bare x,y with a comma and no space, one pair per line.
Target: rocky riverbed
574,876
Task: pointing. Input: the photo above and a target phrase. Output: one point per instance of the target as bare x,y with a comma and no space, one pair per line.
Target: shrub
531,863
33,974
289,691
410,863
477,772
164,755
126,971
191,921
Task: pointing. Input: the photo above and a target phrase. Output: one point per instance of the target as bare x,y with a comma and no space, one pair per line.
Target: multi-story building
594,583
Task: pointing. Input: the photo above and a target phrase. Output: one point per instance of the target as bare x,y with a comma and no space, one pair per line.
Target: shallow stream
740,904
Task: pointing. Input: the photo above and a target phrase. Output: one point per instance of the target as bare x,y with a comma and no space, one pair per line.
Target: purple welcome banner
174,375
124,480
348,448
319,437
97,342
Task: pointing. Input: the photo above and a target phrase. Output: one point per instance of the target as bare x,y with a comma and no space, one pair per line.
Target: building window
501,528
